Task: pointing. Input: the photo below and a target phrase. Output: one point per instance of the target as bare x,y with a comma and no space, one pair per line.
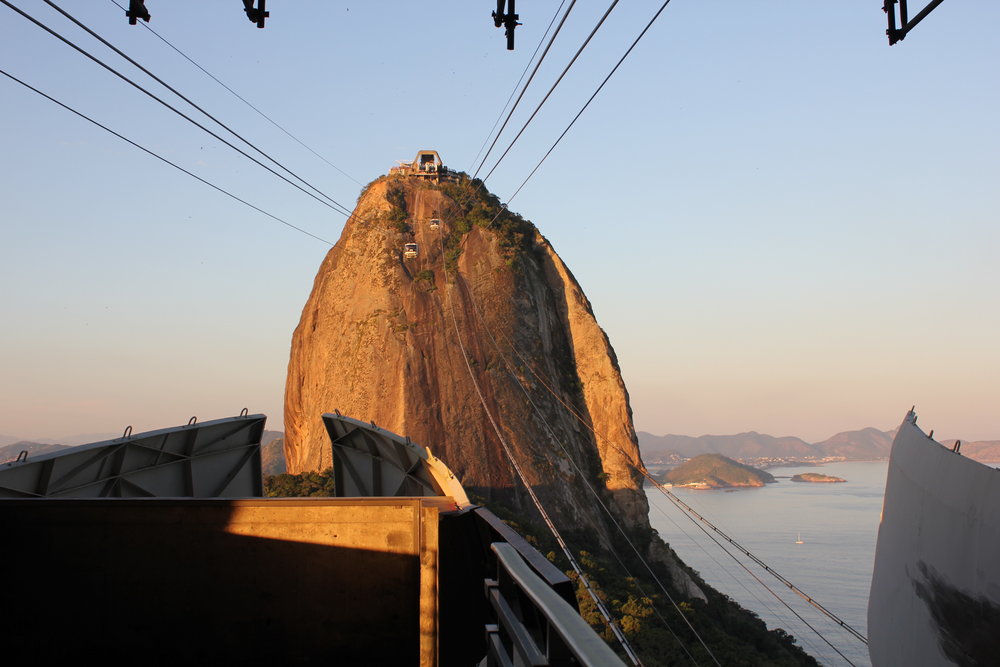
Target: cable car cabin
410,251
435,223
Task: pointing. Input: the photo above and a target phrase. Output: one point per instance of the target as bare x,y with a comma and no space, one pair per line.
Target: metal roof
214,459
370,461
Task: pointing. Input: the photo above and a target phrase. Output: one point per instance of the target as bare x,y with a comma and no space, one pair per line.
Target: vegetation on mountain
303,485
650,619
816,477
716,471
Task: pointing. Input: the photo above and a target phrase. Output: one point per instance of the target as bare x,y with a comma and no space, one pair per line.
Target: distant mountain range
11,451
863,445
866,444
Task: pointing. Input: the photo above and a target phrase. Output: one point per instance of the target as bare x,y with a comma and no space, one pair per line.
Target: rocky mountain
863,445
472,337
386,338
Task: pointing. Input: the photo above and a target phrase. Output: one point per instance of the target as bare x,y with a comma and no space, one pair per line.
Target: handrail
566,631
554,578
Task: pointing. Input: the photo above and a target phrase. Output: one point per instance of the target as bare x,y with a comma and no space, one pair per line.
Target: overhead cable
242,99
187,99
526,66
673,497
678,502
342,210
619,635
857,635
589,487
580,112
554,85
163,159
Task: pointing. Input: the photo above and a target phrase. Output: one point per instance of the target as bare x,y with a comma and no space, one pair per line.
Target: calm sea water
838,524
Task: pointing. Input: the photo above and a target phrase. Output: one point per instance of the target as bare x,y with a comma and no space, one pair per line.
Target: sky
782,223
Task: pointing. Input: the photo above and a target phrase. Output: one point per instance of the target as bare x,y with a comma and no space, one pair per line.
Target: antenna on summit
508,20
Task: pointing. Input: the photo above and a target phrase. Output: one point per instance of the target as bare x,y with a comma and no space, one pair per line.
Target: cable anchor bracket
137,10
256,14
507,19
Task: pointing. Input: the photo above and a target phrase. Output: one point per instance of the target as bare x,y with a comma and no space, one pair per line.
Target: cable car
435,223
410,251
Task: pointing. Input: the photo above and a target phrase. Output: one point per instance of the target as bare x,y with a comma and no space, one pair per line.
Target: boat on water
798,539
935,593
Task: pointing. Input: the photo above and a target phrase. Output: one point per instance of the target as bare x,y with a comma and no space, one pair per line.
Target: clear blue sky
783,224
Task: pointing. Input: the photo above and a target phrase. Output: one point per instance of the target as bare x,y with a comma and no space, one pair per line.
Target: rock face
381,339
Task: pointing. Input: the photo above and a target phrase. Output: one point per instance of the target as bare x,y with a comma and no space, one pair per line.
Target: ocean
838,527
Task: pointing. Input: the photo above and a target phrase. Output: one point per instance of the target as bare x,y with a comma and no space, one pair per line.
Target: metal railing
534,624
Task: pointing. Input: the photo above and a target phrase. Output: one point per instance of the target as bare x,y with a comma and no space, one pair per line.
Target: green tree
303,485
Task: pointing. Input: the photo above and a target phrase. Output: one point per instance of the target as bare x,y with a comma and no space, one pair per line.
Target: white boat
935,595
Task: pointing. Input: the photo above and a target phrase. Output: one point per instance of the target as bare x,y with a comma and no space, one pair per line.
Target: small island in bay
816,477
715,471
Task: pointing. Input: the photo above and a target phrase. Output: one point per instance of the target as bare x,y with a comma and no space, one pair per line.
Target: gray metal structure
370,461
214,459
70,509
535,626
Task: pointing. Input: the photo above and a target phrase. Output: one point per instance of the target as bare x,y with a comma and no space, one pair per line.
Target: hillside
862,445
715,471
740,446
11,451
986,451
865,444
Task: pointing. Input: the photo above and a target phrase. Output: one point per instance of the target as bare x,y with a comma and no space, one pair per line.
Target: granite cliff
379,340
433,284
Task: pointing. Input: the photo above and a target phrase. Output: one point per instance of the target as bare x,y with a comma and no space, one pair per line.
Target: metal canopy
370,461
215,459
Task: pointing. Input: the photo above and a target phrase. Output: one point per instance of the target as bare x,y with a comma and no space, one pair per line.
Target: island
715,471
816,477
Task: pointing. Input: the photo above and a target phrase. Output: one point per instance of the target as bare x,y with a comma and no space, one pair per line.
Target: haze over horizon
783,224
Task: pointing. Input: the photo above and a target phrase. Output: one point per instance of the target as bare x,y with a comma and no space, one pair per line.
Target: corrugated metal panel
370,461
